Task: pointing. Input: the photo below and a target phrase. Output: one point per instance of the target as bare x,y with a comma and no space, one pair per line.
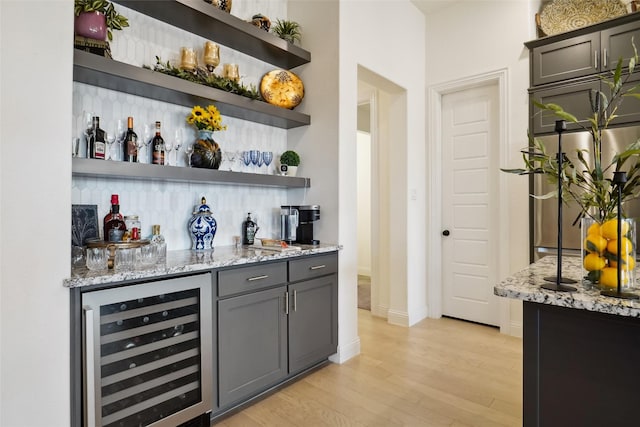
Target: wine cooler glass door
147,353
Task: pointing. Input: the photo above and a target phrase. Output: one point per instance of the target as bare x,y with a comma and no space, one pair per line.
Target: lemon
625,245
595,244
594,262
609,277
594,229
609,230
628,263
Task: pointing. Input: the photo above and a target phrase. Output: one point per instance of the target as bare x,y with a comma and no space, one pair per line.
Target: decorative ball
282,88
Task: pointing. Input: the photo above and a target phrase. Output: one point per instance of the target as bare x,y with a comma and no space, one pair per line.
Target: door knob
445,233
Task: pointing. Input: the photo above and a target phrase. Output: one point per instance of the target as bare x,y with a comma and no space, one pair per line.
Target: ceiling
430,6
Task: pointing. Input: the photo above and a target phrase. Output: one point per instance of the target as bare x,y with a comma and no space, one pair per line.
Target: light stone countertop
525,285
187,261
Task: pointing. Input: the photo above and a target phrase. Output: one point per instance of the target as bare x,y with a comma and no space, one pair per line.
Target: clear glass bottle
133,225
161,246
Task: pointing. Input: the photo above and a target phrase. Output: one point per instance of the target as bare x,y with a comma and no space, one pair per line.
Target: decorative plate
282,88
565,15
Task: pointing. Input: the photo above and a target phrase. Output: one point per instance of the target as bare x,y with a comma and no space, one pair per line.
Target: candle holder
211,55
187,59
557,281
231,72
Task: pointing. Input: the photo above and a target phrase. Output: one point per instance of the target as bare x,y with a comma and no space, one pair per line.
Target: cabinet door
616,44
252,344
572,98
313,321
566,59
629,110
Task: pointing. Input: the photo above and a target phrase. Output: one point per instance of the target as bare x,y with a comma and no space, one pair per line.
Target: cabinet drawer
316,266
245,279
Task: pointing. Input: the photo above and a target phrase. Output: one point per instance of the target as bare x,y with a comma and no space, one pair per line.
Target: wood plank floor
441,372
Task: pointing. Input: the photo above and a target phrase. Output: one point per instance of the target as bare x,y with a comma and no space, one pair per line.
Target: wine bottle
97,145
248,230
130,143
113,224
158,147
161,246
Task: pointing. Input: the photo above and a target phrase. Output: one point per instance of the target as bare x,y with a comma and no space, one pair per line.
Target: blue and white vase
202,227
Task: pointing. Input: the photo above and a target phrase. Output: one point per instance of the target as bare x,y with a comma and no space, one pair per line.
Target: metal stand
619,178
556,282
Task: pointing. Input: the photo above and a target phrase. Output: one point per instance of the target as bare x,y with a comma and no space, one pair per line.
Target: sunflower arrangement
208,118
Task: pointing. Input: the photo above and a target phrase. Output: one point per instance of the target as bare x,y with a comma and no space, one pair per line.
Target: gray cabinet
275,320
573,98
252,344
582,55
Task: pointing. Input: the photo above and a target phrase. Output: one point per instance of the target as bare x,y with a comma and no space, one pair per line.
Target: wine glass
267,158
87,129
189,152
246,159
146,140
121,134
254,155
168,147
110,138
178,142
260,162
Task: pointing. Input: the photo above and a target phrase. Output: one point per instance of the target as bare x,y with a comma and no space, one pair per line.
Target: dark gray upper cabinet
583,52
573,98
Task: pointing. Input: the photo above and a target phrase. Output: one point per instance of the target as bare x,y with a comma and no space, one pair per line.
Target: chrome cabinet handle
595,59
89,381
286,302
604,58
317,267
295,300
251,279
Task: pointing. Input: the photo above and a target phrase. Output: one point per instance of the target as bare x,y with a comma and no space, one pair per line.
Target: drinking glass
125,259
254,155
267,158
246,159
146,140
121,134
260,161
168,147
110,138
178,142
97,258
189,152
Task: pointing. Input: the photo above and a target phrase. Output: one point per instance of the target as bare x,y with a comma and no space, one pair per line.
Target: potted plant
287,30
96,18
292,160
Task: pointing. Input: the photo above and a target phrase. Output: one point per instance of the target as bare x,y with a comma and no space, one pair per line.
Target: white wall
458,54
364,203
35,188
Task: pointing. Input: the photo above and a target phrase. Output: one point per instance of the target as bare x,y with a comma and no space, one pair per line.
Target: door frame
434,186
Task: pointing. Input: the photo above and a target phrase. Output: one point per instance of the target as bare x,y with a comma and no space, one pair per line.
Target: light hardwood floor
440,372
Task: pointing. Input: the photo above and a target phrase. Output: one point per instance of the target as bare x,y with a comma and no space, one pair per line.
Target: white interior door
469,203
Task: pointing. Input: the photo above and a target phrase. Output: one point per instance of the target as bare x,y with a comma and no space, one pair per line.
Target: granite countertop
525,285
187,261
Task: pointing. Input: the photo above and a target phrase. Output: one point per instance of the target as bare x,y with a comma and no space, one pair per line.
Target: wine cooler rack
147,353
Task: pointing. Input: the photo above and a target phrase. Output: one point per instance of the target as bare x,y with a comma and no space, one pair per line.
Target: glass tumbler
97,259
146,255
125,259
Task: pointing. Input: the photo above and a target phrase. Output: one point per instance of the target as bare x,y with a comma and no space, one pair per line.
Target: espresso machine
296,223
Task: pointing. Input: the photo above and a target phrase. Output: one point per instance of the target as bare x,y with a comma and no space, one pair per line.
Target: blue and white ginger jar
202,227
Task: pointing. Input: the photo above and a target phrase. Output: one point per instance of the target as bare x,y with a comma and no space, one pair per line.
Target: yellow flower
206,119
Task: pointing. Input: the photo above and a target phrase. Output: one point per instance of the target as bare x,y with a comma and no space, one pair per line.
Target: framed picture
84,224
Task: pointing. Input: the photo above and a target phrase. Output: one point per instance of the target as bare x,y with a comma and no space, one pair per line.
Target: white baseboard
380,311
346,352
362,271
515,329
400,318
420,314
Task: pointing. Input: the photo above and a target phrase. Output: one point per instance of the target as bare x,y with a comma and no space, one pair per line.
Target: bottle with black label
113,223
97,146
249,229
130,143
158,147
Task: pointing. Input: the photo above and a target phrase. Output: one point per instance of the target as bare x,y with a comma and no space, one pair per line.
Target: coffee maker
296,223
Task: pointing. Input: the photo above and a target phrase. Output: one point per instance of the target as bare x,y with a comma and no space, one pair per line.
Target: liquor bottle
130,143
158,240
249,229
158,147
113,224
97,146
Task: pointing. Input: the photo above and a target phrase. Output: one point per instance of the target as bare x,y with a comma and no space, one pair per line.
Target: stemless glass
267,158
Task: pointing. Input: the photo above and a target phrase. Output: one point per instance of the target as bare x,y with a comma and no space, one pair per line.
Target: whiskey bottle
113,224
161,246
249,229
130,143
97,146
158,147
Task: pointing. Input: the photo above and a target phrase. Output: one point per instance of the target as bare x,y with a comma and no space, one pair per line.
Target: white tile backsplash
170,204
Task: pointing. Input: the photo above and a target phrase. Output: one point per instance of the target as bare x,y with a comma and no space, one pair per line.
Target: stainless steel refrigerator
544,213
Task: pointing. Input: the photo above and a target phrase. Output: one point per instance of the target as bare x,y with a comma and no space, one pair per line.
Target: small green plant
287,30
115,21
290,158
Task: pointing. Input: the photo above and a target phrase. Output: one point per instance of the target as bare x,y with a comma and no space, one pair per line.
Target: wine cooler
147,353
